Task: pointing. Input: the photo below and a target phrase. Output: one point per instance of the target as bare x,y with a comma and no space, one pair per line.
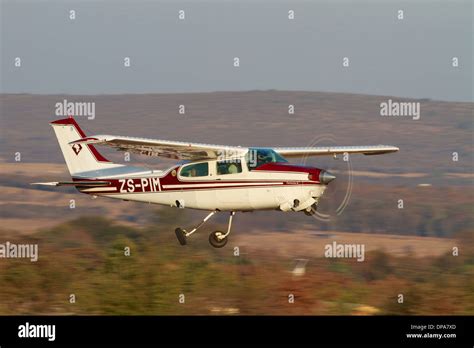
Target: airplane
214,178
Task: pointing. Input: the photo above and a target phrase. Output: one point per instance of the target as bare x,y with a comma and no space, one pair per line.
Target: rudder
79,158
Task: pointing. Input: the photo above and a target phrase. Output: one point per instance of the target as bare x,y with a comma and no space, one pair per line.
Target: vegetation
86,257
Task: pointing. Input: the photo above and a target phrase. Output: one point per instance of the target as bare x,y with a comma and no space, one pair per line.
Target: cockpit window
198,169
257,157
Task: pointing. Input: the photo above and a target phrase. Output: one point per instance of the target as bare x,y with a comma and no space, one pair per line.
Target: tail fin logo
77,148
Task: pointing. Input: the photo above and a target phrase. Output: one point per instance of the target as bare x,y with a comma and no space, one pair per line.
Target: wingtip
391,148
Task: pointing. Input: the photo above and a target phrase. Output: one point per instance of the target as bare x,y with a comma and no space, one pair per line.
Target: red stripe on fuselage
155,184
126,188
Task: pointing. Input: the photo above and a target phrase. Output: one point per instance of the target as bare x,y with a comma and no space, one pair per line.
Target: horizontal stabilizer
74,183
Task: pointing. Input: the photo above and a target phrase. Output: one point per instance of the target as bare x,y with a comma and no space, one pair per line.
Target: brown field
310,244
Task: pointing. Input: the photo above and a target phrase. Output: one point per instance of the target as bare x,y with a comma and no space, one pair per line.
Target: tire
180,234
216,242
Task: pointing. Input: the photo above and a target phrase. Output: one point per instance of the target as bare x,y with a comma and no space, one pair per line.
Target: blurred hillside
258,118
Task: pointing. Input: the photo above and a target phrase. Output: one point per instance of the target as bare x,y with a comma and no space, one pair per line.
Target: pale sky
387,56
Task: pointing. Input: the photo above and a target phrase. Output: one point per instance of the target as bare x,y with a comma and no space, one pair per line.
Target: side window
233,167
193,170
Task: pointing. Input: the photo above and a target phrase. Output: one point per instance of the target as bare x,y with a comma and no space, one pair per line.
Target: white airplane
214,178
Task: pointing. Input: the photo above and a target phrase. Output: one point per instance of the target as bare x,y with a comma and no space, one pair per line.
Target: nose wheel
311,210
217,239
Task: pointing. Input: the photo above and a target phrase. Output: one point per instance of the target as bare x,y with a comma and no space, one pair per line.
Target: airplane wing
334,150
165,148
195,151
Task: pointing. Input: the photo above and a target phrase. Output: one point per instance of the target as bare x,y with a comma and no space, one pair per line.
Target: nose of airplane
325,177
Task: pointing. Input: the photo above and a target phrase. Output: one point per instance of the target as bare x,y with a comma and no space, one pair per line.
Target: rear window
194,170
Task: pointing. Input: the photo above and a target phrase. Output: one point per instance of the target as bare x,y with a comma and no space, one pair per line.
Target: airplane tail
80,159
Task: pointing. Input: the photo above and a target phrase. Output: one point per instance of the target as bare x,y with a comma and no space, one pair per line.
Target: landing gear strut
217,239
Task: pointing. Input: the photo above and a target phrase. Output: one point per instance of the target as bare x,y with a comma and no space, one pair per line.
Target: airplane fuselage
281,186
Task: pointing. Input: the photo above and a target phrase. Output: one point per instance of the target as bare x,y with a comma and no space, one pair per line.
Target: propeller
336,174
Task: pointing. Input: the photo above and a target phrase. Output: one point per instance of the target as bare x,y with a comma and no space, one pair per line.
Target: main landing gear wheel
181,235
218,239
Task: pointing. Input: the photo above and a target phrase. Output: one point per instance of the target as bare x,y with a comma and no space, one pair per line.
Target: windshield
256,157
